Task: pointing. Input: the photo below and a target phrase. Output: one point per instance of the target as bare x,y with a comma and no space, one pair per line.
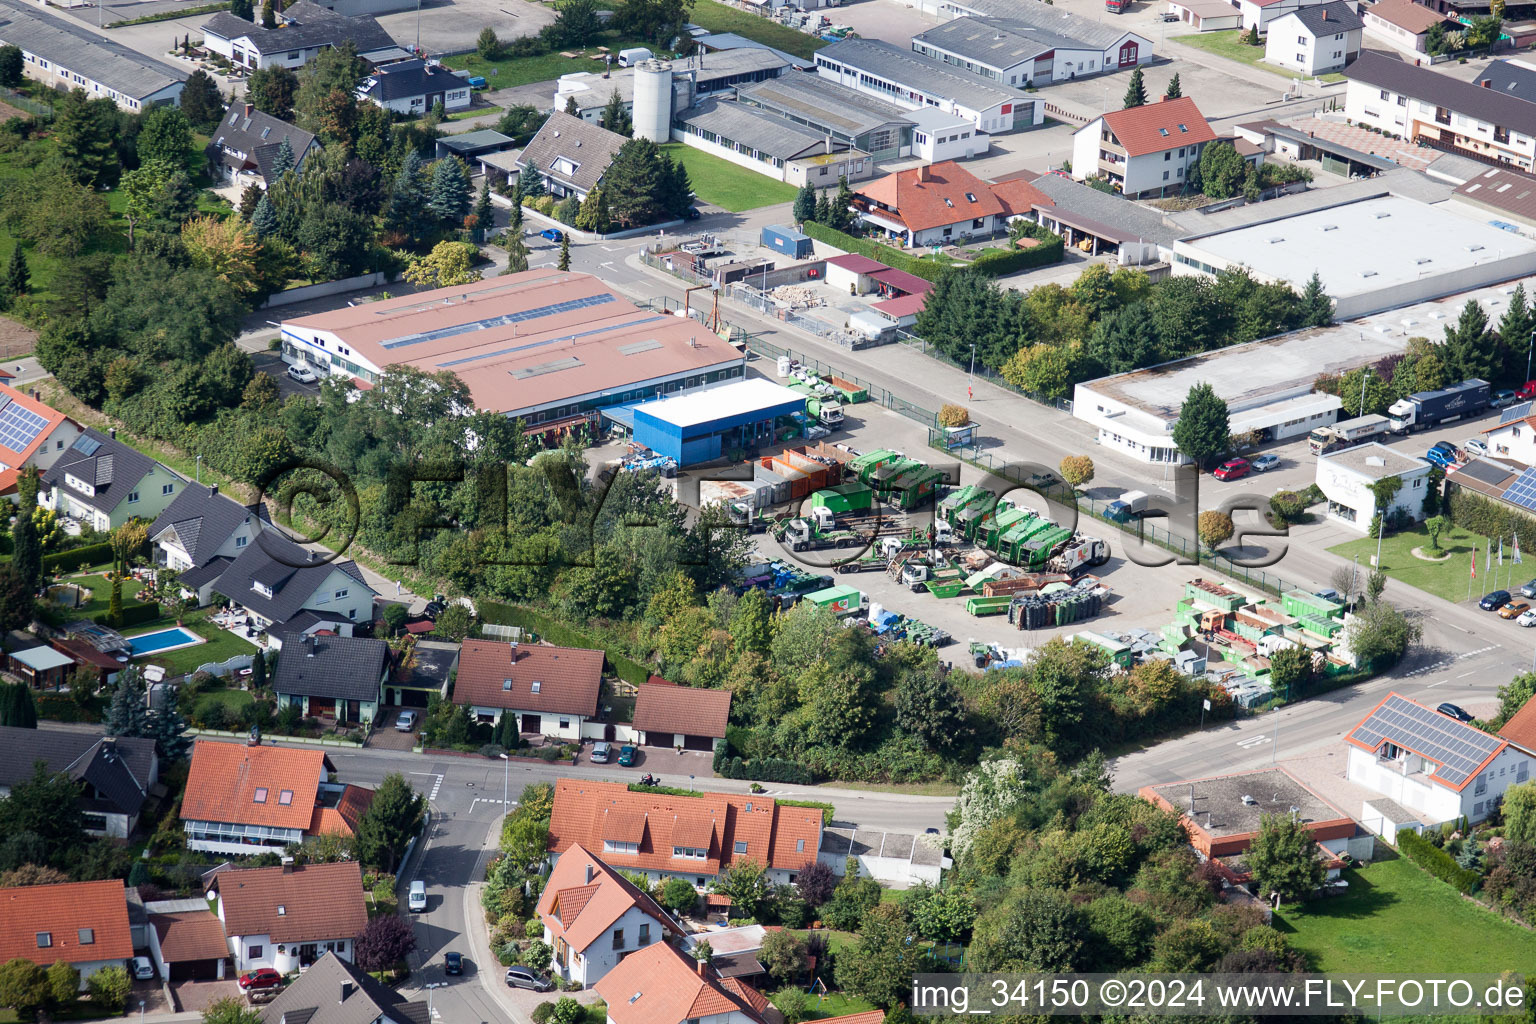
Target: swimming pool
162,640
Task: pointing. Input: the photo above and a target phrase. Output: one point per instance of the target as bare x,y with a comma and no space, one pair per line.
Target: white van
416,899
634,55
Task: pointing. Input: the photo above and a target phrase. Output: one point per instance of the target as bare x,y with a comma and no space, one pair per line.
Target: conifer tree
1174,90
16,273
1136,91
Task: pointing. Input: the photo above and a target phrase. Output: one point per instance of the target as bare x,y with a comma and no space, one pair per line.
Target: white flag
1517,549
1501,552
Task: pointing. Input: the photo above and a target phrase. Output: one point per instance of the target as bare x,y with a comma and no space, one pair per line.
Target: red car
1527,391
262,977
1233,469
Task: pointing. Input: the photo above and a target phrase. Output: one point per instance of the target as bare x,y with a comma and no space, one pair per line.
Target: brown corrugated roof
662,707
529,677
239,783
74,921
308,903
190,935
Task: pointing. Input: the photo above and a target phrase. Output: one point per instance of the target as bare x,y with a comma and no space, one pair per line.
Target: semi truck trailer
1347,434
1430,408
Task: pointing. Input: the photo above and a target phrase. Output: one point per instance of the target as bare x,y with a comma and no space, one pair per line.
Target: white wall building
288,917
1144,150
937,136
414,87
64,55
914,81
1432,764
1315,40
1265,13
1394,96
1345,478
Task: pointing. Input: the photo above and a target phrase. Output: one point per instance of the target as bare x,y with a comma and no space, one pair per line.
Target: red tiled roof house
1146,150
85,924
668,715
662,985
31,434
594,917
691,837
934,204
250,799
552,690
288,917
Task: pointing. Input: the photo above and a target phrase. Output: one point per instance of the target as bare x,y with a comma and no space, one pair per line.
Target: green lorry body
844,498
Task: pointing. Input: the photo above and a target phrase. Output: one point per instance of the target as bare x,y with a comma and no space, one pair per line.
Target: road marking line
1253,742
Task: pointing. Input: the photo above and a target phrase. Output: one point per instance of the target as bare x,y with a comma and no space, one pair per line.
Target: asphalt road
465,796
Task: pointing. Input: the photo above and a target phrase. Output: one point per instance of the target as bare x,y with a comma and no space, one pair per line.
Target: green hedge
133,615
76,558
1490,518
1437,862
557,632
1000,261
895,258
58,708
764,769
826,809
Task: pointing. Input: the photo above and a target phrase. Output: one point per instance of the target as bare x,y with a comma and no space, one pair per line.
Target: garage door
699,742
194,970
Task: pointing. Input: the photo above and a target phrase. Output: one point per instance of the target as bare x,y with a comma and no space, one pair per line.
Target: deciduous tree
385,940
449,263
1221,170
1283,858
394,816
12,66
166,135
1076,470
878,967
272,90
1215,527
110,986
230,1009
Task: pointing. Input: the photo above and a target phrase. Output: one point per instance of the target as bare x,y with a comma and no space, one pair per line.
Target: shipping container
778,487
788,241
844,498
851,392
840,600
818,473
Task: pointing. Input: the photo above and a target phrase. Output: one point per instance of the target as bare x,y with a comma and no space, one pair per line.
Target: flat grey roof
755,127
1374,460
1130,220
916,71
820,102
77,49
1049,18
1220,810
1364,245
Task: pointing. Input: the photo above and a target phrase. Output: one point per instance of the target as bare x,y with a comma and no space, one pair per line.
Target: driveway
386,737
196,996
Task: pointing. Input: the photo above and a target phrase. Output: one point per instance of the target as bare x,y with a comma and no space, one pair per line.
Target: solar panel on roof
86,445
19,426
568,363
1515,412
1523,491
506,319
1457,749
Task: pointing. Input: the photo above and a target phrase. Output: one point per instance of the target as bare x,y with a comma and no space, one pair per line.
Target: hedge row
1437,862
133,615
826,809
58,708
557,632
763,769
1491,519
76,558
1007,261
895,258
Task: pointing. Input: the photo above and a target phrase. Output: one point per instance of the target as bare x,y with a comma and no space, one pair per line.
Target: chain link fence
878,394
913,341
26,103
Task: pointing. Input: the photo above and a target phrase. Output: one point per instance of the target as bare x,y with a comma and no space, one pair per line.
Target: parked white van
634,55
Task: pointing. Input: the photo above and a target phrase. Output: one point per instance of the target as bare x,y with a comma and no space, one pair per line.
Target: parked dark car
1494,601
453,963
519,976
627,756
1454,711
433,610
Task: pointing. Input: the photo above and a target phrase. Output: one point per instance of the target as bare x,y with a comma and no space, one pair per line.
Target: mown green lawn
546,67
221,644
1448,579
1230,45
1396,919
101,594
727,185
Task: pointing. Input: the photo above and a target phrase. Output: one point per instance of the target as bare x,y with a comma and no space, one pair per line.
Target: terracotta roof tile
867,1017
309,903
1154,127
661,985
1018,196
662,707
568,678
234,782
932,196
1521,727
584,897
729,827
61,913
1405,14
345,816
190,935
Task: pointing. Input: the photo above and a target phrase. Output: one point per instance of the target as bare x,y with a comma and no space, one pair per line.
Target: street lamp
506,774
431,1015
970,385
1529,345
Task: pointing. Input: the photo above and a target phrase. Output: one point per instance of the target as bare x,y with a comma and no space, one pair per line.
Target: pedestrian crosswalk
1439,664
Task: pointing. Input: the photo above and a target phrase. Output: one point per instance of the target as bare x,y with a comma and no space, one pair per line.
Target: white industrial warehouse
1375,253
1268,385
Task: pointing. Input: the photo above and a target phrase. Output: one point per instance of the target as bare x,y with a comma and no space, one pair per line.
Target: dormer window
536,685
261,794
261,588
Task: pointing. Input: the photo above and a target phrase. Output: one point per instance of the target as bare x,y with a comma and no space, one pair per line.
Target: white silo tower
652,110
